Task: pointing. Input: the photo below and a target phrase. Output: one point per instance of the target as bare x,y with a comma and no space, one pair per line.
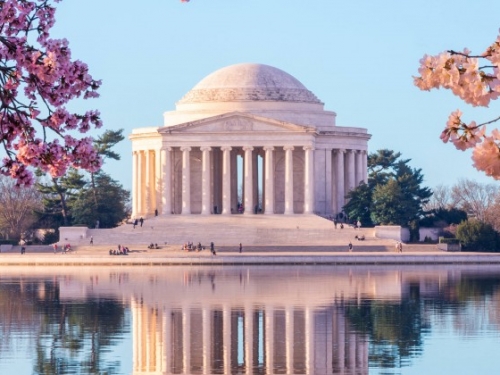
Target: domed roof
249,82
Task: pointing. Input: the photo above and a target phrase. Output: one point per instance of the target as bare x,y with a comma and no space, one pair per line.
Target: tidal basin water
250,320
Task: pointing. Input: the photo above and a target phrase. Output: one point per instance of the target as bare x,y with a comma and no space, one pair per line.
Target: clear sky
357,56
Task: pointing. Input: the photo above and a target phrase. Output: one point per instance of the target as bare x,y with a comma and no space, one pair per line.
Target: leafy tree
359,203
38,79
393,194
58,197
111,207
103,145
476,235
390,206
442,217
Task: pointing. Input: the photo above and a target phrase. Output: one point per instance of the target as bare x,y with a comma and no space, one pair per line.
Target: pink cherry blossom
476,80
486,156
38,79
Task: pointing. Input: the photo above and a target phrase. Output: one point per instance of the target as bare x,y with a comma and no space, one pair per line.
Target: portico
258,154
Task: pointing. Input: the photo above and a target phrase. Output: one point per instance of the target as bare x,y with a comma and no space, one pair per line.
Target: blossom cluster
37,80
476,84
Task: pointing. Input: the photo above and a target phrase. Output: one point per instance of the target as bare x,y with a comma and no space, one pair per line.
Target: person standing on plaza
91,240
241,247
141,220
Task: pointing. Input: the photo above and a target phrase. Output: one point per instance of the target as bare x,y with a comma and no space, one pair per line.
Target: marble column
351,171
359,167
288,180
135,184
186,181
309,180
248,178
147,180
340,179
166,179
365,166
158,190
226,180
269,181
205,181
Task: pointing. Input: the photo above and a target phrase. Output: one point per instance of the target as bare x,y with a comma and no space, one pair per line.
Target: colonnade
203,179
207,339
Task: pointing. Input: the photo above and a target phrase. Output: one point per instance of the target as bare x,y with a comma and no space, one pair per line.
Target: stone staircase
250,230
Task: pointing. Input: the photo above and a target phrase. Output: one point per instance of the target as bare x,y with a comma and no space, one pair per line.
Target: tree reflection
72,335
395,329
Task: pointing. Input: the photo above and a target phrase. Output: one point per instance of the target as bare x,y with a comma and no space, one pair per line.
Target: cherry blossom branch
41,72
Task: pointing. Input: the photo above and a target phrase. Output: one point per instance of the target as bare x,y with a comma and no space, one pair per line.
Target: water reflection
238,320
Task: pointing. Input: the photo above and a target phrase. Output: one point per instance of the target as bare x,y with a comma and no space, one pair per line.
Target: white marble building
247,138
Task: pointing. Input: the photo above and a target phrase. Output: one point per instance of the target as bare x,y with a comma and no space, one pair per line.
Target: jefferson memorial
251,139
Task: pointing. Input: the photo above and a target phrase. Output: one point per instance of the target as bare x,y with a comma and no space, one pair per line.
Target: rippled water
250,320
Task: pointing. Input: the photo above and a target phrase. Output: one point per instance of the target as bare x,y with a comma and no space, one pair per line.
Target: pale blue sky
358,57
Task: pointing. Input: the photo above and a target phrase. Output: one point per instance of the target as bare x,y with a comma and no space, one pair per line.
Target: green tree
476,235
103,145
111,203
393,194
58,197
359,203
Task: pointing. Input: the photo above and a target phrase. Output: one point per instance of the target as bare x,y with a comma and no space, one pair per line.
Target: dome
249,82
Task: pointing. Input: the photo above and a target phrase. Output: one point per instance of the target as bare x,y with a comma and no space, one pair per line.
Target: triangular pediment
236,122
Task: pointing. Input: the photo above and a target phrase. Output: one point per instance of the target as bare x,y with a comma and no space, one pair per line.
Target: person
350,246
156,212
135,222
91,240
358,224
97,224
23,249
241,247
335,223
141,220
55,248
400,247
212,248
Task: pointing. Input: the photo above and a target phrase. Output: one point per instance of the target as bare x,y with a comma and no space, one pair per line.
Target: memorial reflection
253,320
262,321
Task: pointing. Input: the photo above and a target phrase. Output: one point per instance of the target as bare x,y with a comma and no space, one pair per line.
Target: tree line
76,198
394,195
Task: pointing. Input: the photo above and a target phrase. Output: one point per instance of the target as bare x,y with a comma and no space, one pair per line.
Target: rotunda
251,139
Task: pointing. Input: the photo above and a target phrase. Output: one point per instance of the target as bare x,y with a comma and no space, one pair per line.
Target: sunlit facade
248,138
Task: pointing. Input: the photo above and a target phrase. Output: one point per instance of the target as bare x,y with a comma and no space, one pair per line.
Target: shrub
476,235
449,240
